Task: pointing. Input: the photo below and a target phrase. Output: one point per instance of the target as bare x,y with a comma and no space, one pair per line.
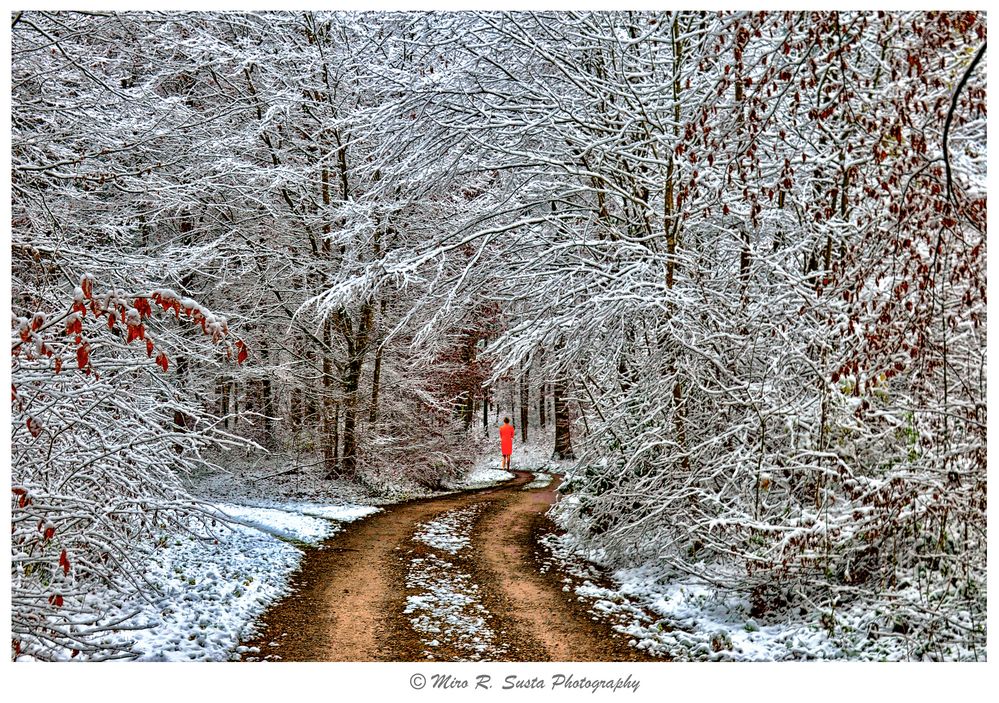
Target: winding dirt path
348,598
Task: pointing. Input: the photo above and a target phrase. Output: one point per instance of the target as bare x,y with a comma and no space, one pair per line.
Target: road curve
347,599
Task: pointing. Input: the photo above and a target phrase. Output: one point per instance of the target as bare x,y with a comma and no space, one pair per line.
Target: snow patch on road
446,608
447,611
450,532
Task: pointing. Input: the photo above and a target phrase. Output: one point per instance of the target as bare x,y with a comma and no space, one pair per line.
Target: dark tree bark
376,373
541,406
335,439
376,376
267,391
357,346
563,439
223,393
181,421
525,408
485,409
329,421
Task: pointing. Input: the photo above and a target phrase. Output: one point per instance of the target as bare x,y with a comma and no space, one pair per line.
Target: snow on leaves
135,312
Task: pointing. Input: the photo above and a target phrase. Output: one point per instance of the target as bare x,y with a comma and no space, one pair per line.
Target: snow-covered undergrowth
674,616
203,591
277,479
446,608
537,456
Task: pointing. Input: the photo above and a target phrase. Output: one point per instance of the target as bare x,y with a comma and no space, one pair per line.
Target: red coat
506,439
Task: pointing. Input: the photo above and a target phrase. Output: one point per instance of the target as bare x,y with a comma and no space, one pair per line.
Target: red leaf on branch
149,347
34,427
161,361
64,562
58,364
142,305
83,356
242,353
49,533
136,332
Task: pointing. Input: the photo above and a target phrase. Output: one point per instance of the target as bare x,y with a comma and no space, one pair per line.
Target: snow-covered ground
540,480
277,479
204,590
483,477
537,456
673,616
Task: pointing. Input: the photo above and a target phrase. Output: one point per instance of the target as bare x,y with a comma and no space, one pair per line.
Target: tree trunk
223,391
563,439
485,409
357,347
376,376
351,382
376,373
234,401
267,391
328,402
525,408
336,434
181,420
541,406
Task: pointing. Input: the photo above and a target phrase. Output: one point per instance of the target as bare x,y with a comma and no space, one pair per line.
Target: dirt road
449,579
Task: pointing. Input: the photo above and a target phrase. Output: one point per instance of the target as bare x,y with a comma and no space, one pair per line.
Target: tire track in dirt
347,600
507,544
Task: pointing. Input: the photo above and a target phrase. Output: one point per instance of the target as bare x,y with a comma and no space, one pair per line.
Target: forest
726,268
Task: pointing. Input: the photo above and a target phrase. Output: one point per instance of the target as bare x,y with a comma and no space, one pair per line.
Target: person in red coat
506,441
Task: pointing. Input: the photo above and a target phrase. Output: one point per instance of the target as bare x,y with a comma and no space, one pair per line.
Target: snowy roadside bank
671,615
204,590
